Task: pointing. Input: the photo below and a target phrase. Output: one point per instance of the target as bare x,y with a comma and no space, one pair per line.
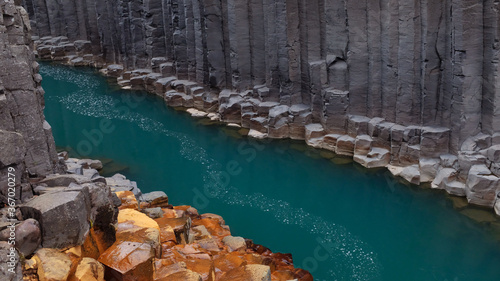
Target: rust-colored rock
234,243
169,213
253,272
128,261
88,269
302,275
259,259
164,268
180,226
214,226
281,275
186,275
128,200
97,242
154,199
200,232
186,210
228,262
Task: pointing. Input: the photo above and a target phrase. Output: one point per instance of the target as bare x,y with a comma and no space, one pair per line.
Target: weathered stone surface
434,141
88,269
154,199
411,174
494,154
376,157
118,182
28,236
497,207
134,226
447,178
126,260
184,275
254,272
56,211
345,145
314,131
234,243
13,148
52,264
481,187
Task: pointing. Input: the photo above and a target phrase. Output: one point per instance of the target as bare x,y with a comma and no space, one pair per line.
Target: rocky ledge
82,226
418,154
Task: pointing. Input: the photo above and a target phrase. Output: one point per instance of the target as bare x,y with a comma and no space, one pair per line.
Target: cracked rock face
409,84
412,63
26,138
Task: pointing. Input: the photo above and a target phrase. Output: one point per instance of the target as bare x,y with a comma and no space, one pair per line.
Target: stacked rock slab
26,138
391,83
81,226
422,63
417,153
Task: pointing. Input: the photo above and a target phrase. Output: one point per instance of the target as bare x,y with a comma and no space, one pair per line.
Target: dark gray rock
28,237
64,217
7,256
155,199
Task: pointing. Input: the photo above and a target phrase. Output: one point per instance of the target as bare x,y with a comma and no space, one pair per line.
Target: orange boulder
128,200
253,272
127,260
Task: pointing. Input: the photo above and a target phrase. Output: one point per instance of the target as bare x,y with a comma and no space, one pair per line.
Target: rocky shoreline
82,226
61,220
418,154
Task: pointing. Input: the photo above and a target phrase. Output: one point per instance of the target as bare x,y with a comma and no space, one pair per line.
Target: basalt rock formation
117,233
26,142
409,85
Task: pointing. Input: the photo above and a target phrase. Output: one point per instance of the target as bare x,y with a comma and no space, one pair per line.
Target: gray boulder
28,236
482,186
64,217
7,258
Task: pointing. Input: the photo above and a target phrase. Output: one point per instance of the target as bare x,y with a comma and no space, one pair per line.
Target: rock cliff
26,141
409,85
417,62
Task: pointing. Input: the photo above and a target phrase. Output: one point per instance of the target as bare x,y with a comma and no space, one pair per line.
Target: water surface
339,221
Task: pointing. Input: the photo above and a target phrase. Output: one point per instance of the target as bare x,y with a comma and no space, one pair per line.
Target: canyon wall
411,62
411,85
26,141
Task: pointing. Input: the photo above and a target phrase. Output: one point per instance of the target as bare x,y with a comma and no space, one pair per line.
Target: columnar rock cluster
419,154
82,226
415,62
66,222
26,142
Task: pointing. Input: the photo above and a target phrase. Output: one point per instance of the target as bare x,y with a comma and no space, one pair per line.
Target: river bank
366,211
419,155
116,231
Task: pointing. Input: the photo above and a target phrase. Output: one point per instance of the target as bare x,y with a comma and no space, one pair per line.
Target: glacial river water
340,221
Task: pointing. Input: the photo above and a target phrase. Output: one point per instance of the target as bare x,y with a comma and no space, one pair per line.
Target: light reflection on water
339,221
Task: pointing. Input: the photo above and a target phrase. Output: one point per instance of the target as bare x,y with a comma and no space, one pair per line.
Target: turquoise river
340,221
